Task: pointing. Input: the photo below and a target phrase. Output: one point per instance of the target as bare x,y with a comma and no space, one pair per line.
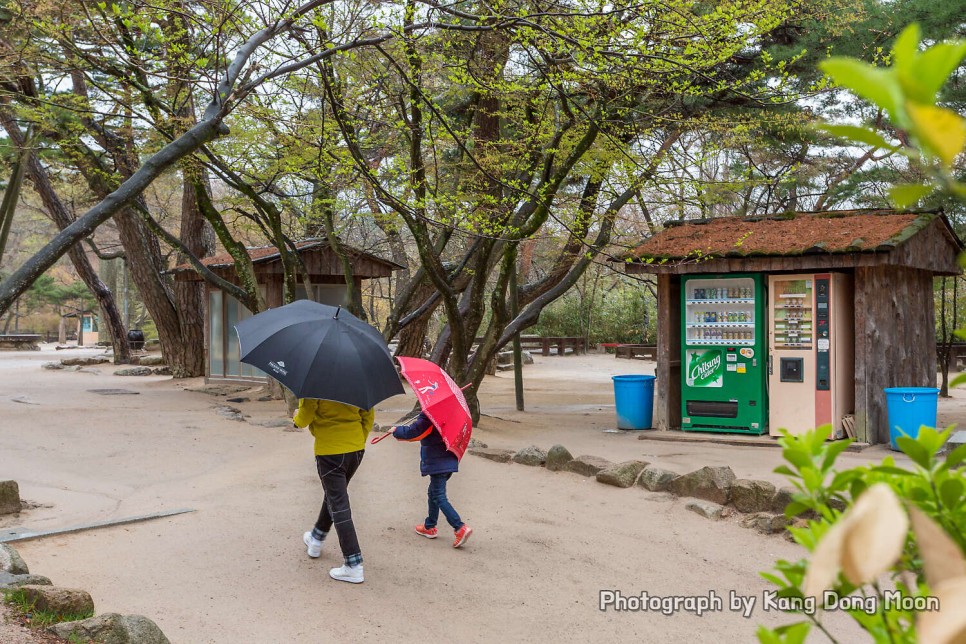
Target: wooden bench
579,345
20,342
638,351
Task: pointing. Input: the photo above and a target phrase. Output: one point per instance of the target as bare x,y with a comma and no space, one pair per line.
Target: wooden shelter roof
267,260
804,240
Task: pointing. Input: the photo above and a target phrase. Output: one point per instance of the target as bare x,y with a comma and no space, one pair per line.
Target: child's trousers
438,502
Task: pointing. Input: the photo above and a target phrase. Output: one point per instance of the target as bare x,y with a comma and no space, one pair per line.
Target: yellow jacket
338,428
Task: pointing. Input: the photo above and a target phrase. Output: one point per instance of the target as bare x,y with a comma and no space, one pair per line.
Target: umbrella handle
379,438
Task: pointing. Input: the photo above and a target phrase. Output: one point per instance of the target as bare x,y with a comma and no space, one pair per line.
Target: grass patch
39,618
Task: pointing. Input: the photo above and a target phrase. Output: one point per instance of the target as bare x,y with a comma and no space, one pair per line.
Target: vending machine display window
792,322
720,312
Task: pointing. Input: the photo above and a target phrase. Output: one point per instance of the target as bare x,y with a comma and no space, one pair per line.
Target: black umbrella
320,351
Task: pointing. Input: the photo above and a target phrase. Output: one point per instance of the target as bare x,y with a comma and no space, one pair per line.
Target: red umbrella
442,400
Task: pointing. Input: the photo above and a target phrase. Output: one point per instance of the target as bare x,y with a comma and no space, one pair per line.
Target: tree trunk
62,218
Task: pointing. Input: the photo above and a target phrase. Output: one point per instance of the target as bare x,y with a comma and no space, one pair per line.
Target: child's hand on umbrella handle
379,438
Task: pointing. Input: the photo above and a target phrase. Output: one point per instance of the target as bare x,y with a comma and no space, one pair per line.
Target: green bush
625,314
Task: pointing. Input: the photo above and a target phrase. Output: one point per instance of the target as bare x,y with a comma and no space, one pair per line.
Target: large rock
498,455
707,509
111,628
62,602
588,465
531,455
10,580
134,371
10,561
783,496
557,458
85,362
621,475
709,483
752,495
766,522
151,361
9,497
474,443
655,479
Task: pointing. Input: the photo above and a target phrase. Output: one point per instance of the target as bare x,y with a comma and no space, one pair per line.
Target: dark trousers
336,471
438,502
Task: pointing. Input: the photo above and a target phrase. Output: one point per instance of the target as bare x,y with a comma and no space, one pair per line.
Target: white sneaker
351,574
313,546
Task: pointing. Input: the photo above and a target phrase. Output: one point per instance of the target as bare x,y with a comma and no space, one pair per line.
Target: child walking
439,464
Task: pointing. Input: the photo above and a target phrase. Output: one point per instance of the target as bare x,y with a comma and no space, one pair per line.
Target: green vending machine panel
723,361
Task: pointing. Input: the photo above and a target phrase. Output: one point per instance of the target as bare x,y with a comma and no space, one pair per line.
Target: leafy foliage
934,486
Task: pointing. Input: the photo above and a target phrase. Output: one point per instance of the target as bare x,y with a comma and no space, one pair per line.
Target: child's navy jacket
434,458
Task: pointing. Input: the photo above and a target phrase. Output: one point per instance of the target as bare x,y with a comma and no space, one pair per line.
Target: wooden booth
880,264
223,311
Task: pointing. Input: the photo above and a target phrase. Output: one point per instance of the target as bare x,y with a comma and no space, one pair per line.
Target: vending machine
811,364
723,354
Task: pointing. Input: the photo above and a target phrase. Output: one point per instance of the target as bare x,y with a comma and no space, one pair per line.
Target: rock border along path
713,492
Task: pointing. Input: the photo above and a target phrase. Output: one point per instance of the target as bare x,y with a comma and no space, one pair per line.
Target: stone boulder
63,602
10,580
588,465
783,496
9,497
752,495
475,442
707,509
134,371
531,455
492,454
85,362
52,365
655,479
151,361
10,561
766,522
557,458
111,628
621,475
709,483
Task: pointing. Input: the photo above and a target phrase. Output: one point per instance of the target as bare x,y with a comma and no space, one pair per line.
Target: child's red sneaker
429,533
462,535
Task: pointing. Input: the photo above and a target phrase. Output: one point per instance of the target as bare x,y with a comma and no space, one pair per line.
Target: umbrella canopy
442,400
320,351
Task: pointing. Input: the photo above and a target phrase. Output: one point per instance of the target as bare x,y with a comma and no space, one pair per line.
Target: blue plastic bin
910,408
634,397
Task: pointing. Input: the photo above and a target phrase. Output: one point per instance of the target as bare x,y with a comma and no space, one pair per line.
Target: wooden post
667,410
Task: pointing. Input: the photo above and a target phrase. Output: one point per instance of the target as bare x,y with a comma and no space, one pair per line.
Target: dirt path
235,570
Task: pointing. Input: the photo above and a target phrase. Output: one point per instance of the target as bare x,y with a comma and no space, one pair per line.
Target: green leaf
940,131
891,469
935,65
907,194
951,492
871,83
832,452
956,456
858,134
913,450
958,380
795,508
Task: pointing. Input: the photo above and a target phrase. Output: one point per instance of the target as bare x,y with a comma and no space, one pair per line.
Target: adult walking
340,432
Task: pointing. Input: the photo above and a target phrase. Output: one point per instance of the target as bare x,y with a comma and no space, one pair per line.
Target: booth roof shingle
843,231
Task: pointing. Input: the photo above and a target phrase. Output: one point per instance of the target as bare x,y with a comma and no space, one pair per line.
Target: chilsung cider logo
278,367
705,369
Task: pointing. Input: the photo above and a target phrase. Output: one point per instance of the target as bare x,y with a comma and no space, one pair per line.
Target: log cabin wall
888,354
